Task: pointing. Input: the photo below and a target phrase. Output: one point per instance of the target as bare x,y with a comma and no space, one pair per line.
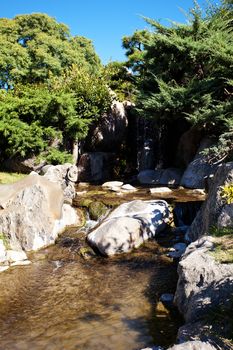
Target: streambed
62,301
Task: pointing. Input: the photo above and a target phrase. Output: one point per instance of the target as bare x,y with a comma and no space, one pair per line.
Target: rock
179,249
65,175
203,282
215,212
19,164
160,190
3,256
33,213
167,299
154,348
95,166
110,131
111,184
13,256
188,145
169,176
129,225
128,188
97,209
21,263
193,345
202,332
198,169
4,268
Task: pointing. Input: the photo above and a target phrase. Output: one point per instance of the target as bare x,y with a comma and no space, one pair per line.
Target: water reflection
63,302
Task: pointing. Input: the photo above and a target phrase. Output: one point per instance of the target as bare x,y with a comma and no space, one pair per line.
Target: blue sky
105,22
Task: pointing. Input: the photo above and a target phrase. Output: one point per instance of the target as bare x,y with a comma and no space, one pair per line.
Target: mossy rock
84,202
97,209
82,217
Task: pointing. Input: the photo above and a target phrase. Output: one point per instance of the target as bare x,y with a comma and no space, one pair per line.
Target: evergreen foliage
186,71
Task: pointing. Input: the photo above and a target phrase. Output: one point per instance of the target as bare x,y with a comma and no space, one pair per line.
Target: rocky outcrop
110,131
198,169
66,175
203,284
32,213
169,176
129,225
95,167
188,145
215,210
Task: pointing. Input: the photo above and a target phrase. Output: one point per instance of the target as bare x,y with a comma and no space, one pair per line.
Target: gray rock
128,188
129,225
111,184
111,129
13,256
167,299
3,256
178,250
203,282
158,190
169,176
193,345
32,214
65,175
95,166
198,169
215,211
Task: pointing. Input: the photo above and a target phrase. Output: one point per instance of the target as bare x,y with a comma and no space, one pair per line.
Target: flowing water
62,301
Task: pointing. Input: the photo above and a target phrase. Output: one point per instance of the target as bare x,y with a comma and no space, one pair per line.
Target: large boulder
188,146
215,211
200,168
32,213
204,283
95,167
129,225
169,176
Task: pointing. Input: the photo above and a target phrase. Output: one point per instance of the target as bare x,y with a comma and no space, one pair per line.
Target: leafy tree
35,46
35,118
120,80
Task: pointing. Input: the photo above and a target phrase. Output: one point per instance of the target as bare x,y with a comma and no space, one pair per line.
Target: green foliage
120,80
6,177
53,89
34,117
55,156
221,231
227,193
184,71
35,46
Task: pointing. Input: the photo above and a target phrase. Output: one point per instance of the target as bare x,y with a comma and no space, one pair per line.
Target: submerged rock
129,225
194,345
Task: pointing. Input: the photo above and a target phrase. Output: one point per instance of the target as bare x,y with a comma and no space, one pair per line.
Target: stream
63,301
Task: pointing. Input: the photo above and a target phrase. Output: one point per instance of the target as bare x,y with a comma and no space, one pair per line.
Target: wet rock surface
129,225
